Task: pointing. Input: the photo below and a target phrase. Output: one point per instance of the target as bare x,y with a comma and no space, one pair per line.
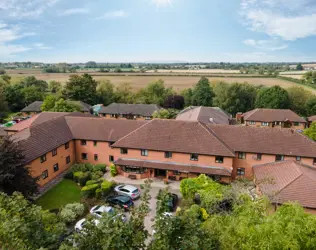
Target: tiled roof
312,118
213,115
287,181
175,136
192,168
265,140
101,129
85,107
271,115
3,132
33,107
130,109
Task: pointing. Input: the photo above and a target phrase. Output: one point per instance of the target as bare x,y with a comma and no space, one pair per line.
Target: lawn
63,193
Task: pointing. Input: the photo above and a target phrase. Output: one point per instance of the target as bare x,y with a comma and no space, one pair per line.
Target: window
137,170
279,158
176,172
168,154
45,174
259,157
298,158
277,123
296,123
144,152
194,157
241,155
124,151
68,159
56,167
96,157
240,171
111,158
111,143
252,123
95,143
66,145
314,161
264,123
84,156
219,159
83,142
147,118
54,152
43,158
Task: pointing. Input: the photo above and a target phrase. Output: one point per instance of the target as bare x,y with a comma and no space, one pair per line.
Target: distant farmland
178,82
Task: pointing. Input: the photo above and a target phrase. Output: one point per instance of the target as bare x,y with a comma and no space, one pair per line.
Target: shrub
98,193
96,175
82,177
90,182
78,167
99,167
205,215
89,191
113,170
89,167
71,212
69,175
106,187
77,175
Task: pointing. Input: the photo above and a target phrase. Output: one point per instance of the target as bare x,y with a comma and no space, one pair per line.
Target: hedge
113,170
99,167
106,187
81,177
89,191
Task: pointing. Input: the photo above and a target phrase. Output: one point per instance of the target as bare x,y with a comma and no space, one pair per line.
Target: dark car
122,201
172,202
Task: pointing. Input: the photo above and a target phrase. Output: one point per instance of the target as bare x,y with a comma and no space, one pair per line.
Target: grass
63,193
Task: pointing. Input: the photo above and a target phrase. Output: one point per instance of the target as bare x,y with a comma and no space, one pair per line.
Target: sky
71,31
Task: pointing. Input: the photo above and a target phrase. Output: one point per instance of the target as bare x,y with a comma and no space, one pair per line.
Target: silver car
128,190
98,211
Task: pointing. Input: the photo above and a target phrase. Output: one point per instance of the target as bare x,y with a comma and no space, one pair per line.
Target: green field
63,193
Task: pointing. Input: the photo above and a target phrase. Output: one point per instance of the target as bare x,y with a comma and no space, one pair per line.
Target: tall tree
124,94
81,88
310,106
274,98
15,97
187,94
299,67
32,81
3,104
32,94
105,92
298,98
49,103
54,86
65,106
203,93
174,102
14,175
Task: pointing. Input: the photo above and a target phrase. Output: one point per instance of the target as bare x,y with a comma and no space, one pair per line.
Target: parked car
121,201
80,225
98,212
127,190
172,202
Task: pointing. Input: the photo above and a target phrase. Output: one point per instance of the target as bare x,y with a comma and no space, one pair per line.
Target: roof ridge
133,131
209,130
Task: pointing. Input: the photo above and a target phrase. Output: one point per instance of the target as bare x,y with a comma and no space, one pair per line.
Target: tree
274,98
40,85
299,67
91,64
237,97
14,175
105,92
49,103
124,94
3,104
2,72
54,86
15,97
6,78
26,226
202,93
298,98
311,131
154,93
310,77
174,102
65,106
32,94
310,106
187,95
81,88
165,114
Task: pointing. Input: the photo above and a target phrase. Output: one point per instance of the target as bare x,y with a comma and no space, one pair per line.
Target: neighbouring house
129,111
311,119
35,107
280,118
158,148
287,181
212,115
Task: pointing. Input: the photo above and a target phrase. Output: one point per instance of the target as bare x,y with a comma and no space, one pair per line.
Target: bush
69,175
71,212
89,167
90,182
113,170
79,167
81,177
96,175
89,191
99,167
98,193
106,187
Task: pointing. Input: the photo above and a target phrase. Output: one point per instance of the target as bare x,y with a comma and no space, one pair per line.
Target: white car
98,211
128,190
81,224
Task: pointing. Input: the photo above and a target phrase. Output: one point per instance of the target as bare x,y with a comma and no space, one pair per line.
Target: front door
160,173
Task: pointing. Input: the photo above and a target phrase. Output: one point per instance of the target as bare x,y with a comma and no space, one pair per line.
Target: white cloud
10,50
74,11
8,34
162,3
287,19
272,45
114,14
25,8
41,46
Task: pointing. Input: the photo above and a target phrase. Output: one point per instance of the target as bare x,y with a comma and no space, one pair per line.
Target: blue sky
157,30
